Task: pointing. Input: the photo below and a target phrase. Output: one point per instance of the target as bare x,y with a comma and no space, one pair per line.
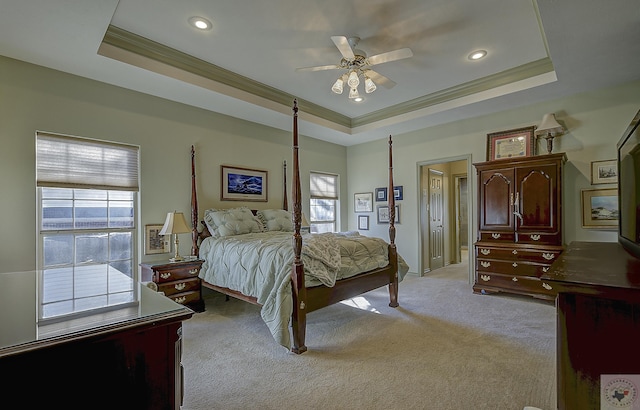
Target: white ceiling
538,50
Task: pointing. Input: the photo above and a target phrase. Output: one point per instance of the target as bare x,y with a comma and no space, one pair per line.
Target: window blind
323,186
73,162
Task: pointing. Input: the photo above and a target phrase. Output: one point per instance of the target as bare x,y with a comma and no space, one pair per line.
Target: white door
436,219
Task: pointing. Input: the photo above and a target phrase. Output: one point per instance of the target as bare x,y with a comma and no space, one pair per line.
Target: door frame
470,206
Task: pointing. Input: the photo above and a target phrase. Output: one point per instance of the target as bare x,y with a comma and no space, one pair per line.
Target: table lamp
175,224
551,128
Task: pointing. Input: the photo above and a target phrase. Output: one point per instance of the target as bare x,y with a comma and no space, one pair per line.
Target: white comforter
259,265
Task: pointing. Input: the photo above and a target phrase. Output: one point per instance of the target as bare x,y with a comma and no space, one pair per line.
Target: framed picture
600,208
363,222
604,172
153,241
397,193
243,184
381,194
383,214
363,202
515,143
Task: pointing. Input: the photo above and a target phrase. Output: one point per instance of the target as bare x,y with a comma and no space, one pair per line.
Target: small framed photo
243,184
363,222
153,241
397,193
514,143
363,202
383,214
600,208
381,194
604,172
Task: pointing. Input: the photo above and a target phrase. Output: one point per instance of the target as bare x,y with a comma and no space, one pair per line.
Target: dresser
519,224
123,357
178,281
598,326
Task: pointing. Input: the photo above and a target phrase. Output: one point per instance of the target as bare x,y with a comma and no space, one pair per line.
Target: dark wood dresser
120,358
178,281
519,224
598,333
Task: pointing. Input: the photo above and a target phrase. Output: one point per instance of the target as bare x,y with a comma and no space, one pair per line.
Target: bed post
393,254
285,204
299,315
194,205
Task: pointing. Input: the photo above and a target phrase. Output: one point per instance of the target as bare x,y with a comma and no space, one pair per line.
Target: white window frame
327,191
113,169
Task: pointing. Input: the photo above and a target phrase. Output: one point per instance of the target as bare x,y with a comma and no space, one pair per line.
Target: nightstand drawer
179,286
186,298
169,273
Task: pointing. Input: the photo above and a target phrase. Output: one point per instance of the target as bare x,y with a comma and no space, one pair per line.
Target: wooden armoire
520,224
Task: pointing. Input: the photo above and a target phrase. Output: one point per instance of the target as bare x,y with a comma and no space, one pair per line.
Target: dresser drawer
510,267
524,285
508,237
544,256
179,286
169,273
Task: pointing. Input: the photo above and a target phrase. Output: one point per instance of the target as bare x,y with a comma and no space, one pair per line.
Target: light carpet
443,348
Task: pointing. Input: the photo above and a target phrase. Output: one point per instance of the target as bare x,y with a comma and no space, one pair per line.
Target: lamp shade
549,125
174,224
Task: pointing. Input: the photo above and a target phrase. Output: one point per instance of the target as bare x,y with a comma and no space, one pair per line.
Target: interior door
436,218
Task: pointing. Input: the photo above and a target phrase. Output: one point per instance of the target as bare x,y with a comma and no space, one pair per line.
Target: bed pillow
276,220
233,221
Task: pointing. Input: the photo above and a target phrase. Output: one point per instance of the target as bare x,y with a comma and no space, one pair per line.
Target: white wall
35,98
595,122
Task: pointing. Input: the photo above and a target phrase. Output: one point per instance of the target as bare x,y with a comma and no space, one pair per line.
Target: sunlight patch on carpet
360,302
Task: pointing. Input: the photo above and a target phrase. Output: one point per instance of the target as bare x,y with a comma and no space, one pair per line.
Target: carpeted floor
443,348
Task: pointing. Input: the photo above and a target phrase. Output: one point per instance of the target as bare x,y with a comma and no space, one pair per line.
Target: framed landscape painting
604,172
600,208
243,184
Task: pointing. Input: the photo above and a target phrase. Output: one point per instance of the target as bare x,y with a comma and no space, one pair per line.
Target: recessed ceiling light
477,55
200,23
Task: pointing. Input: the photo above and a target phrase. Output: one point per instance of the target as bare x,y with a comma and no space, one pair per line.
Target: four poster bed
261,257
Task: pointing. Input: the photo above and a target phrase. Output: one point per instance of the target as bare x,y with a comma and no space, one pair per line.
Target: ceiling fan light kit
357,65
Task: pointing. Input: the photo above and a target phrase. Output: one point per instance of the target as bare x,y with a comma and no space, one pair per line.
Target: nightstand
178,281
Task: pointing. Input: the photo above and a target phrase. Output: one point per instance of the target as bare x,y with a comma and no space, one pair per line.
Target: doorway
444,212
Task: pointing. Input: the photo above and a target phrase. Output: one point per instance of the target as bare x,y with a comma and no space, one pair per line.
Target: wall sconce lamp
549,129
175,224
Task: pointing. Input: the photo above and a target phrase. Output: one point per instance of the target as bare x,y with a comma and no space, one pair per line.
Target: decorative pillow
276,220
234,221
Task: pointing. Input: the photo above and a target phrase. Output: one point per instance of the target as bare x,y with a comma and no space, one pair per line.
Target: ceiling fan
356,63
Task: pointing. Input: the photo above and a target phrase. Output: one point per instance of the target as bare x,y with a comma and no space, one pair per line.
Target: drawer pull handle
165,275
514,279
515,251
514,264
545,269
485,264
193,271
548,256
485,251
495,235
535,237
485,278
546,286
181,299
180,286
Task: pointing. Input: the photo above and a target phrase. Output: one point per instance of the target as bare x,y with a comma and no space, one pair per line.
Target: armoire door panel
497,197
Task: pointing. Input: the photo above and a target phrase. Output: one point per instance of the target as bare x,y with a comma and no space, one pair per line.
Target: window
323,202
87,196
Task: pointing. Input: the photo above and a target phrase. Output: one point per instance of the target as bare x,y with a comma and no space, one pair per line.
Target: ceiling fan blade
390,56
319,68
343,45
379,79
